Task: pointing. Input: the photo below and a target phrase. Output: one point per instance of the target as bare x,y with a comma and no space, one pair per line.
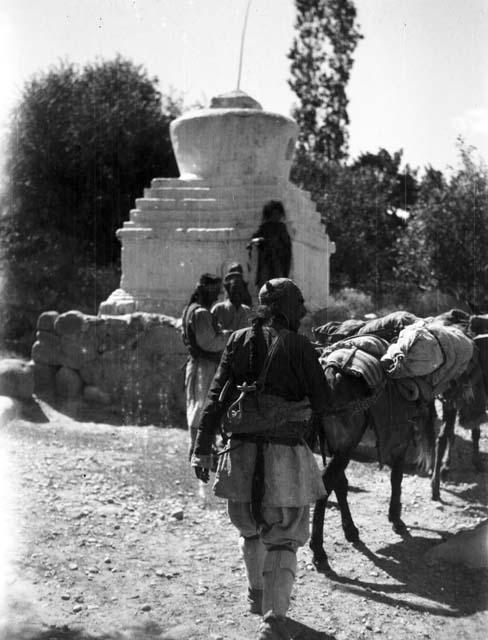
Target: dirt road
106,538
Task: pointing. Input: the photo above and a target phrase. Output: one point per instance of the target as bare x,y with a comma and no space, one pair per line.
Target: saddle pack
358,356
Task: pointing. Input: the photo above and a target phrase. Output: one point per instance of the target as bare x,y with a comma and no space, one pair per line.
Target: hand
202,474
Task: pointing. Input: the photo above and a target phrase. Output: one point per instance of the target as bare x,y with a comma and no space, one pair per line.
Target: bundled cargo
429,349
454,317
370,344
357,356
334,331
388,327
417,352
458,351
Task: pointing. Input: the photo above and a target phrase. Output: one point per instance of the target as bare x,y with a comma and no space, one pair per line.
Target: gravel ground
104,537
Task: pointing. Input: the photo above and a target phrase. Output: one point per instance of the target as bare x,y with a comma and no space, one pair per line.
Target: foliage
352,303
359,202
348,303
445,244
321,62
83,144
401,184
363,205
439,243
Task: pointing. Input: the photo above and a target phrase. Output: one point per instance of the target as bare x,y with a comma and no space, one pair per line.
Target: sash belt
257,483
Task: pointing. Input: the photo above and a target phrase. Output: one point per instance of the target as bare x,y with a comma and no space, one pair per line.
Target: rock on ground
16,378
466,547
8,409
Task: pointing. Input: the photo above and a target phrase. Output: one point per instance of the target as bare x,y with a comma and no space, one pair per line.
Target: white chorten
233,157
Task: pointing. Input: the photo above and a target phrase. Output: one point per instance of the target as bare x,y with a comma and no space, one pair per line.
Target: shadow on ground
300,631
29,632
116,415
32,411
145,632
460,591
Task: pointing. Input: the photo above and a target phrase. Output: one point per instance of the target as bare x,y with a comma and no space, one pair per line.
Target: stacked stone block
132,361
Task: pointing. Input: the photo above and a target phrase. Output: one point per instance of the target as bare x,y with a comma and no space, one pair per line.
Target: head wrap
279,290
235,267
271,207
234,271
209,279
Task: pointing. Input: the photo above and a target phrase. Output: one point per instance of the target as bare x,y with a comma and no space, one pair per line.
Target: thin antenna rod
242,44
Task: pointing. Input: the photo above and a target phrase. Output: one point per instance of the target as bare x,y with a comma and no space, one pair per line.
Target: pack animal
361,400
465,400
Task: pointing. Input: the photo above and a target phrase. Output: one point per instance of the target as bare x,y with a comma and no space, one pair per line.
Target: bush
432,303
444,246
350,303
83,144
344,304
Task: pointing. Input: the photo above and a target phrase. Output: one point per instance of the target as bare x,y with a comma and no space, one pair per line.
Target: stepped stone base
183,228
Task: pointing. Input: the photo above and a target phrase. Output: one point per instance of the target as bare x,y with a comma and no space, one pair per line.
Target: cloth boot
273,627
253,553
192,436
278,577
204,492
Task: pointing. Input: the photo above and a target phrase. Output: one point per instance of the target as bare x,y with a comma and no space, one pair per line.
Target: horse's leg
333,469
316,544
395,511
475,436
351,532
449,416
440,448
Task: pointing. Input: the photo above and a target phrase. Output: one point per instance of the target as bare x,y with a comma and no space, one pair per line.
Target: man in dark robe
273,243
269,477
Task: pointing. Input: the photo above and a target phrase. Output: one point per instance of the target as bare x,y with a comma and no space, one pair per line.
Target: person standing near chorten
205,341
233,313
273,243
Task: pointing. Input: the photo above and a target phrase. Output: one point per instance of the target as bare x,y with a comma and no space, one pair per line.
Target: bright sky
420,77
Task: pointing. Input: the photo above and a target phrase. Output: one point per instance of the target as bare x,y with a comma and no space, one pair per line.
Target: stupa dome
234,100
234,140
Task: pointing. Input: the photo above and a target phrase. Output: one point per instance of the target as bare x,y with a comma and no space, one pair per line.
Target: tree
401,184
321,61
360,208
451,219
83,144
363,206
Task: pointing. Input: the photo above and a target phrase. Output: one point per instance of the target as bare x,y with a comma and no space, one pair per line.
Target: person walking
268,389
205,341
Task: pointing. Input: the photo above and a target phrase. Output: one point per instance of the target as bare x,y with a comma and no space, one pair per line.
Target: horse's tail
425,435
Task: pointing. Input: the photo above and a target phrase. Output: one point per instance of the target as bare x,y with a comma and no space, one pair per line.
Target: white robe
200,371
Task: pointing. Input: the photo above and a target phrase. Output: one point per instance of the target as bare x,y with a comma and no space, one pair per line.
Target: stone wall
133,362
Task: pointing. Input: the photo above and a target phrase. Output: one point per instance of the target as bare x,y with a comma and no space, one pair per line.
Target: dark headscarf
278,292
209,279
